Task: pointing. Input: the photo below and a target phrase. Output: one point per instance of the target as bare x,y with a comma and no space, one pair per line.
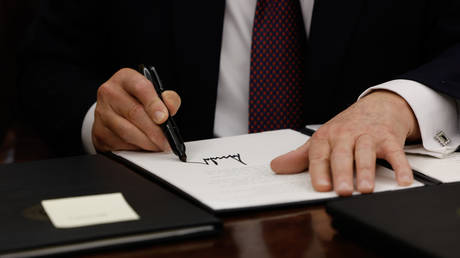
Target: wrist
402,112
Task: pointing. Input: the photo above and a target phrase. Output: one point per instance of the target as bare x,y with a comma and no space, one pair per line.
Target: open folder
88,202
233,173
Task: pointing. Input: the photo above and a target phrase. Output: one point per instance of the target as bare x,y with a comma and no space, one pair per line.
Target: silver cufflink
442,138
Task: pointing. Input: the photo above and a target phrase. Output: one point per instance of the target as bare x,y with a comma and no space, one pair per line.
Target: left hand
377,126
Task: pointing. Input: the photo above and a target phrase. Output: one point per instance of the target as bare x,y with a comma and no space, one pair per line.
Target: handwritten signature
213,160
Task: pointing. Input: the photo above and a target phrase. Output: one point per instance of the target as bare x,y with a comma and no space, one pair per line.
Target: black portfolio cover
419,222
27,231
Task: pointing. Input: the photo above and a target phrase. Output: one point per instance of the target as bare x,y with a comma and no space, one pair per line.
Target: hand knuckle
134,112
364,145
141,86
367,137
155,133
125,70
320,134
341,129
317,156
346,130
338,153
124,134
387,130
98,112
149,107
100,116
98,139
365,141
104,90
341,149
314,160
392,150
364,166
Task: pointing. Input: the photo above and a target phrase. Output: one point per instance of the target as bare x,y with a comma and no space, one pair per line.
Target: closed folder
419,222
26,228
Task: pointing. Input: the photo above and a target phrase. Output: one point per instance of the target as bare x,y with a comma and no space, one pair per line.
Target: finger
142,89
128,132
319,167
129,108
365,159
342,165
394,154
105,140
172,101
295,161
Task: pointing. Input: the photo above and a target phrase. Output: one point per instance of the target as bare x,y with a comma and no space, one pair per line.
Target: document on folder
446,170
234,173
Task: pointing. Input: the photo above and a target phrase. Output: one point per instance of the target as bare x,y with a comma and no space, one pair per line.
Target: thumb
295,161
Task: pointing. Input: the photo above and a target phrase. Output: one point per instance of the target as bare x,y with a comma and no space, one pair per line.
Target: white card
88,210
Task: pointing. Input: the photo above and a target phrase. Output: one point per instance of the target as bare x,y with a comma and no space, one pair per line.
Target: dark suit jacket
77,45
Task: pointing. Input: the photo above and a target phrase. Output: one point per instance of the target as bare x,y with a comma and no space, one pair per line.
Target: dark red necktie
277,66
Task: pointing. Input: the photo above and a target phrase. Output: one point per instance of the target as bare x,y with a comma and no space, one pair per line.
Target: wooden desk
294,232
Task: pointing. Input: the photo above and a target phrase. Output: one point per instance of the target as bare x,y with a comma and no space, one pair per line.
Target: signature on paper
214,160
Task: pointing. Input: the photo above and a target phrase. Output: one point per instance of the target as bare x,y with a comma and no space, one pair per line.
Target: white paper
88,210
234,172
445,170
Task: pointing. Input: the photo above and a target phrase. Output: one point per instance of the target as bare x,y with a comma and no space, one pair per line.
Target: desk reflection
293,232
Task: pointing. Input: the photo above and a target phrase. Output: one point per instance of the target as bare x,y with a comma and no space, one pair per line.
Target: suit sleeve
440,70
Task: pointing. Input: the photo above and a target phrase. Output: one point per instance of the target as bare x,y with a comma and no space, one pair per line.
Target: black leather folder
419,222
26,229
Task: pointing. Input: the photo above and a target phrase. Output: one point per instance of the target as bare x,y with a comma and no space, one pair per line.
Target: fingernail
159,116
365,185
323,182
323,185
405,180
344,187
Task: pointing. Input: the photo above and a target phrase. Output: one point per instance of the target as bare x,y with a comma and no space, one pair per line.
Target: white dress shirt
231,117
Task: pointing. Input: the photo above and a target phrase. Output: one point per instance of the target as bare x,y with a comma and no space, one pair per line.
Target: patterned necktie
277,66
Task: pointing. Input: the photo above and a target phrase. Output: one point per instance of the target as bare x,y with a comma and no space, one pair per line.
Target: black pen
169,127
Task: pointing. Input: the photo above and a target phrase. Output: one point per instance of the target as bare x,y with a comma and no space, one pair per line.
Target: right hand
129,112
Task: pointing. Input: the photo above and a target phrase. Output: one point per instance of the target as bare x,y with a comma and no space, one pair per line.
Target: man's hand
377,126
128,112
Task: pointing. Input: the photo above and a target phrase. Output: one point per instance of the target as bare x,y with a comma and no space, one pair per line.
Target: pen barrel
170,129
174,137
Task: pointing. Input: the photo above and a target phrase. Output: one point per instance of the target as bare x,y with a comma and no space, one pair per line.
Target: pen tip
183,158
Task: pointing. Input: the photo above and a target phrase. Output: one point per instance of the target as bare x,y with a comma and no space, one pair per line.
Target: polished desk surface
294,232
286,232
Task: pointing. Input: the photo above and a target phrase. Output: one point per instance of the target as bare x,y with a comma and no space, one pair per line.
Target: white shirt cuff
435,113
86,130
